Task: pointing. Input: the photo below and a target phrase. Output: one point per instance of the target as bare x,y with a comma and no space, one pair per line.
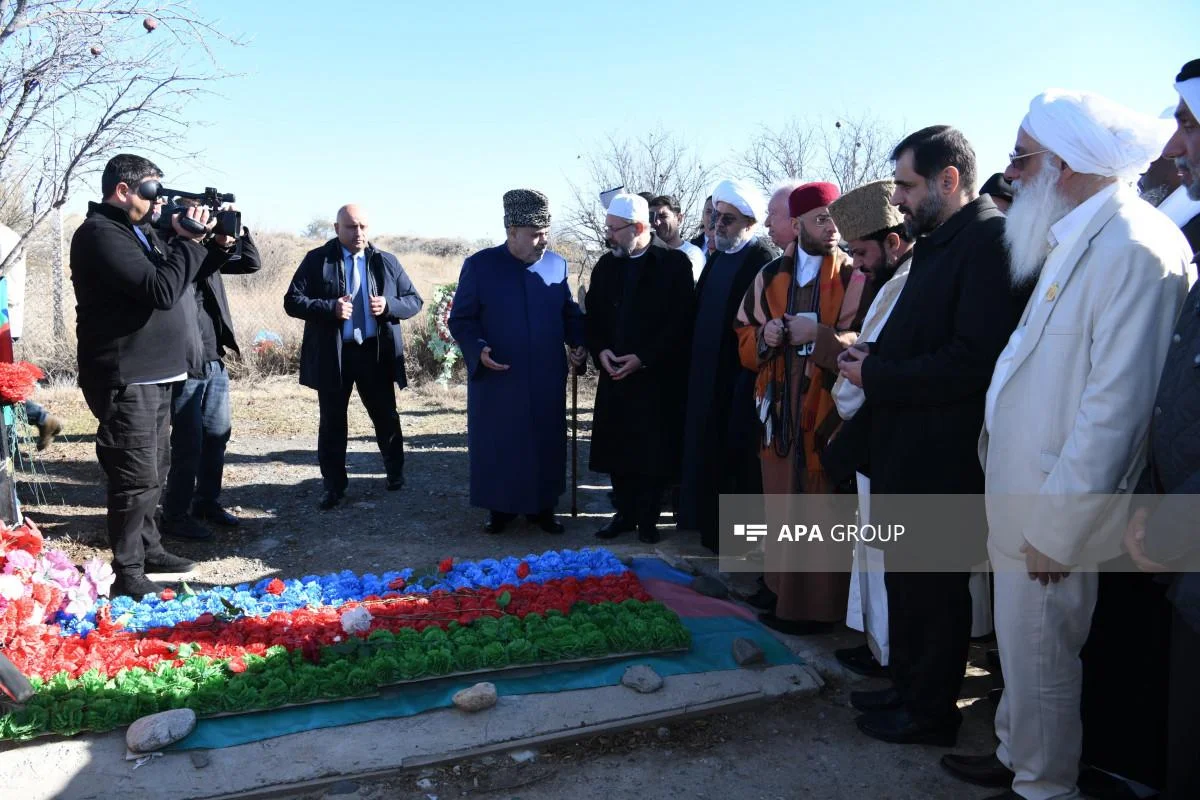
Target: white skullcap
1094,135
632,207
1189,90
742,196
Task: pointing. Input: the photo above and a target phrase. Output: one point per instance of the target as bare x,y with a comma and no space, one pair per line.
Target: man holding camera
352,298
200,417
134,338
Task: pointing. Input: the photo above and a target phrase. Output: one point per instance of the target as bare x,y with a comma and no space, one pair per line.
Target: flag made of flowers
100,663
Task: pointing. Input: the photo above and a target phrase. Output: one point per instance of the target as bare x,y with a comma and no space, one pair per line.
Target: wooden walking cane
574,441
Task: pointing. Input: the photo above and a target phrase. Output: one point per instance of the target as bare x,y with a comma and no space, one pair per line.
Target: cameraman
134,338
200,417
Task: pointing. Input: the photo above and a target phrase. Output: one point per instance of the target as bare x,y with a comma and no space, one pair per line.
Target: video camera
229,223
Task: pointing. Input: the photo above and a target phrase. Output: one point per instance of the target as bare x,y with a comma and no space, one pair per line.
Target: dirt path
806,748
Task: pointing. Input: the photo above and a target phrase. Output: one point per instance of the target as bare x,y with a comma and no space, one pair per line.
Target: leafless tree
657,162
318,228
80,80
849,151
777,155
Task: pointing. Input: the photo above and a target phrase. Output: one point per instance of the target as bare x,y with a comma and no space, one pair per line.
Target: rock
342,787
521,756
746,652
488,761
424,783
709,587
156,731
642,679
477,698
663,733
200,759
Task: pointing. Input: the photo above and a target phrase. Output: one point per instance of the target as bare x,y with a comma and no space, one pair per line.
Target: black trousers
1183,717
637,498
929,631
364,368
133,445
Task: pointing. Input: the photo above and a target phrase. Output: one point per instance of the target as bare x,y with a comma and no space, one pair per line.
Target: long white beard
1035,207
726,245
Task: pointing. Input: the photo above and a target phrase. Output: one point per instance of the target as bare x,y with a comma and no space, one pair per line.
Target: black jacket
211,289
641,306
319,281
129,322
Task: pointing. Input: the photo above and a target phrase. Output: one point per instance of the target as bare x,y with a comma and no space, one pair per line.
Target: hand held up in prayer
773,332
577,356
378,306
627,365
801,330
343,308
198,213
1042,568
485,358
1135,537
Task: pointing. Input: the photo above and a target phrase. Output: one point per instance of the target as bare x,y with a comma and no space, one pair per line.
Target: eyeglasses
1013,158
726,219
611,229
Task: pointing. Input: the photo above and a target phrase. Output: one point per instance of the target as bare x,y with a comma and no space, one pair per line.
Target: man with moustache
1161,537
779,219
639,317
513,316
924,380
793,323
881,247
1067,414
666,217
720,453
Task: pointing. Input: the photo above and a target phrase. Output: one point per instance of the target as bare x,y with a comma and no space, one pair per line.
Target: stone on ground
747,652
156,731
476,698
642,679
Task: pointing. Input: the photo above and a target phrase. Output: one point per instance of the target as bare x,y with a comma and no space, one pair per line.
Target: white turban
632,207
1189,90
1094,135
742,196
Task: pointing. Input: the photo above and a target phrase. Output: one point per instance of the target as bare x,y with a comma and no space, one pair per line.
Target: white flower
356,620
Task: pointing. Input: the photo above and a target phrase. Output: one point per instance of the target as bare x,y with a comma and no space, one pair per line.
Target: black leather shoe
878,700
795,627
167,562
496,524
861,661
395,483
615,527
216,515
897,726
330,500
135,586
183,528
548,523
980,770
649,535
994,696
1100,785
993,661
763,599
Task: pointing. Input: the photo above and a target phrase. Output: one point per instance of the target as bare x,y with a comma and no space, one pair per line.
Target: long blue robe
516,418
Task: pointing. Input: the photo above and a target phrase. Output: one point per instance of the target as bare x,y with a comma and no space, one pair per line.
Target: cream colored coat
1069,428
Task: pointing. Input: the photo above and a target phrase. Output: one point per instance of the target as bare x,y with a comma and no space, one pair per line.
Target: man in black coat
200,415
135,337
720,451
639,313
925,381
352,298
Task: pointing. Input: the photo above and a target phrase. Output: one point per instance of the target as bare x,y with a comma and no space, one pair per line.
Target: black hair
667,200
127,169
880,236
937,147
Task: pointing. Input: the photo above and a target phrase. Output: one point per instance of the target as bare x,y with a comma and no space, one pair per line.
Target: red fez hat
809,196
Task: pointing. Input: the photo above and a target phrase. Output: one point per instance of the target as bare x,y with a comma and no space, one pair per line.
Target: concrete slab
95,767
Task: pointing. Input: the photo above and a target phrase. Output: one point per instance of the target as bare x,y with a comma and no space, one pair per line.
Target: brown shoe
50,428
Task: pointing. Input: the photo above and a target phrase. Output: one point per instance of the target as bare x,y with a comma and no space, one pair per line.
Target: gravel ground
798,748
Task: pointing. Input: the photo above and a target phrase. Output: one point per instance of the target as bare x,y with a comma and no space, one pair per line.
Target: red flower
276,586
523,570
236,665
166,594
446,565
397,584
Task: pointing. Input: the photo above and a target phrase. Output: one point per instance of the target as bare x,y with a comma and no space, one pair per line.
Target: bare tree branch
849,151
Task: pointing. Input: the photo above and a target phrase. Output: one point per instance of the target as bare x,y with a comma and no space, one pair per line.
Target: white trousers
1040,631
867,605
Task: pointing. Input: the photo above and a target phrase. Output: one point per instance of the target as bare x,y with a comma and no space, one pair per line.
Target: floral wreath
440,341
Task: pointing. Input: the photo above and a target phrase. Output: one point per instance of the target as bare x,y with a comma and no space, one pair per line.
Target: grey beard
1156,195
725,244
1036,207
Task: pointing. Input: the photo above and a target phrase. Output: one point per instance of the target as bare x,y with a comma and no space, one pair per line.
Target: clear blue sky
427,112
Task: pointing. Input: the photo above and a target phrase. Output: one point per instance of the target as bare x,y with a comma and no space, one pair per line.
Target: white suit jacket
1068,433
